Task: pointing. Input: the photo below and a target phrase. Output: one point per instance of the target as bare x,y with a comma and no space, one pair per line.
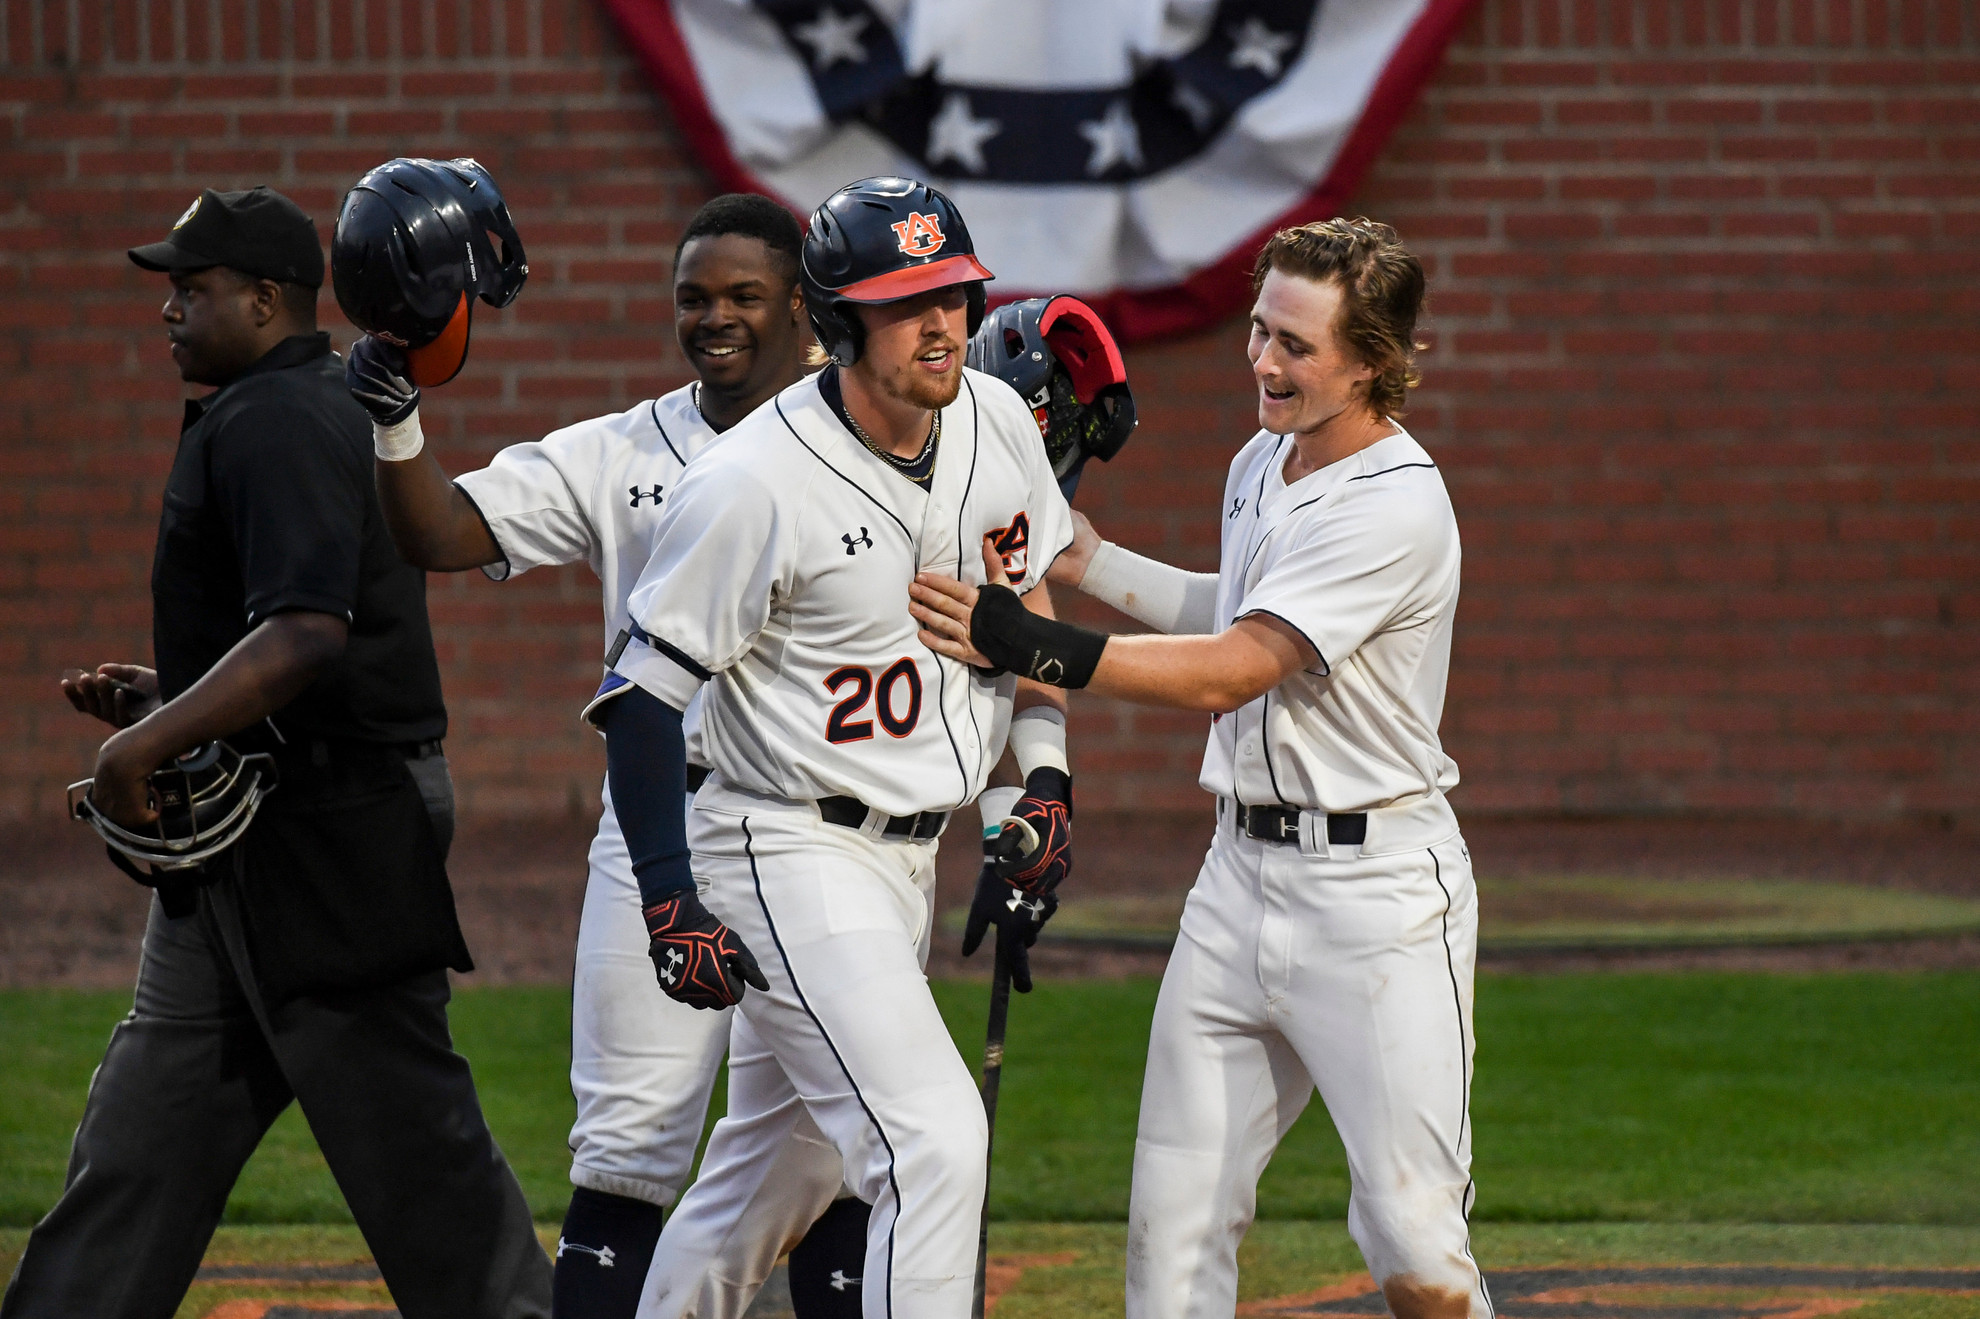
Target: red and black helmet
1064,363
417,242
881,240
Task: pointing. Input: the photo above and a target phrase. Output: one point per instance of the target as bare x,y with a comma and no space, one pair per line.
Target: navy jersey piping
869,495
653,406
749,850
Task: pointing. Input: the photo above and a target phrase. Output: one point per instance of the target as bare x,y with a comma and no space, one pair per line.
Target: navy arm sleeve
646,758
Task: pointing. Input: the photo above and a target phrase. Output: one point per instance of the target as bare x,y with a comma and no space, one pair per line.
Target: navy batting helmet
417,242
881,240
1063,362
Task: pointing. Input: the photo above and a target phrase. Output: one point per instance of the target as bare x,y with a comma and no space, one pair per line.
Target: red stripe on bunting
1211,294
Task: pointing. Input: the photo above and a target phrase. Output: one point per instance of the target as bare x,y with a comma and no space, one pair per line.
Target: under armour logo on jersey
919,235
852,541
603,1254
638,494
670,972
840,1281
1237,506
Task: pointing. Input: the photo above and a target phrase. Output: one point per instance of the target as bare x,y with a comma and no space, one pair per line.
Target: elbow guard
1031,645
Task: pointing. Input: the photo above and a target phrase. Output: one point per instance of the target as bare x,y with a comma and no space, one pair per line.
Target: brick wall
1703,374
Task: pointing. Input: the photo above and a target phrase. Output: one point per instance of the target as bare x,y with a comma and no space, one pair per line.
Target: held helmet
417,242
1063,362
206,799
881,240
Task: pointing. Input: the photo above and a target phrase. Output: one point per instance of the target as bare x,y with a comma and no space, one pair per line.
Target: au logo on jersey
1013,546
920,235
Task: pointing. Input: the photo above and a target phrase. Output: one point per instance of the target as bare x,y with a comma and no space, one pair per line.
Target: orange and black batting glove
1037,869
700,961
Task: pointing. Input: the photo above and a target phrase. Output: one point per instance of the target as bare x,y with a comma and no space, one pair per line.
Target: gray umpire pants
191,1081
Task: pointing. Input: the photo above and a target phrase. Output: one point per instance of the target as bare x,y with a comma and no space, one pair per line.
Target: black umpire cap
258,232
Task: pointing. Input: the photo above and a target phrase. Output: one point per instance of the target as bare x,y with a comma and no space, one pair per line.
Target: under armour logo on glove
700,961
840,1281
1040,862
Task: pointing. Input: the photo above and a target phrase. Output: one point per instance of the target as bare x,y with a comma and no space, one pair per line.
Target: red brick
1700,378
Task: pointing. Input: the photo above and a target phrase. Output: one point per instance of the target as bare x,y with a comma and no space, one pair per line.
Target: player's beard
917,388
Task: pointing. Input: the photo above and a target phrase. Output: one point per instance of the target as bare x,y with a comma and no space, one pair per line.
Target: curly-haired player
1331,935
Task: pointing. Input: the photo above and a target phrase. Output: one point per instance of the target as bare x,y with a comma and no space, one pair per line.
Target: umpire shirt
270,507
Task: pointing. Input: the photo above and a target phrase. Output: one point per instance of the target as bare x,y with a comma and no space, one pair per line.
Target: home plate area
1570,1293
1655,1293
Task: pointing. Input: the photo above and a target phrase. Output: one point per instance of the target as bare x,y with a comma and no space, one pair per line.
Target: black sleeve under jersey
646,758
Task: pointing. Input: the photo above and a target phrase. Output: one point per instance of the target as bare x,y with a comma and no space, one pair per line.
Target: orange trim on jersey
898,284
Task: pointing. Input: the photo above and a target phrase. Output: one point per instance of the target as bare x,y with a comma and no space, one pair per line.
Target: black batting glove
380,379
1039,861
1017,916
700,961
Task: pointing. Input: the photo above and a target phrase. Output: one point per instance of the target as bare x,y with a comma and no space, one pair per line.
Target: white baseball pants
642,1065
767,1175
849,1031
1295,970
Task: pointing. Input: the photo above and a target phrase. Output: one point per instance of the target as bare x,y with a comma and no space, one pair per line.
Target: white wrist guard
995,806
395,444
1170,600
1038,739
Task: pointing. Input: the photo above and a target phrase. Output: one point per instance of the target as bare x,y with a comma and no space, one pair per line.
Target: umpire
311,961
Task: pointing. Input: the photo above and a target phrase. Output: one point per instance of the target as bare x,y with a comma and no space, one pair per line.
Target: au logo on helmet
919,235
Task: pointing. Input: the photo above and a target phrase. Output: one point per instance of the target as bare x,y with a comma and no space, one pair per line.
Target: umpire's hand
699,960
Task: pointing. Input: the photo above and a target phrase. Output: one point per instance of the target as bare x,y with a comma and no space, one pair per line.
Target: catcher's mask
206,799
1064,363
417,243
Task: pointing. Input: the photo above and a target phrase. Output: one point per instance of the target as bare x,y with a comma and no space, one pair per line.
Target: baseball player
642,1064
1331,935
839,744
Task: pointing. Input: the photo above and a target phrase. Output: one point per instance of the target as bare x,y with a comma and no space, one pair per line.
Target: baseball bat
993,1072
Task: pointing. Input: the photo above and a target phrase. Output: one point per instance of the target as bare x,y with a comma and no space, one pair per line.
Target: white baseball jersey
590,493
781,572
1360,557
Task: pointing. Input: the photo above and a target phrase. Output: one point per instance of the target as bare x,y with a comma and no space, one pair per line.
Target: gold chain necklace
901,464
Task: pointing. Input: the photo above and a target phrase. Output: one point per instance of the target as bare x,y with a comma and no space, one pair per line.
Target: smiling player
642,1065
1331,936
776,599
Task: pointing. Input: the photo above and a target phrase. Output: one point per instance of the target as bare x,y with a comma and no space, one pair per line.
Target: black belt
1280,824
851,813
696,776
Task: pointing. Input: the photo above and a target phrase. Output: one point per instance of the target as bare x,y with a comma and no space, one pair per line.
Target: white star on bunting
1258,47
956,134
832,37
1115,138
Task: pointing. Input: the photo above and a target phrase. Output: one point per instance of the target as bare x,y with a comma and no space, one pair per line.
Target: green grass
1626,1098
1553,911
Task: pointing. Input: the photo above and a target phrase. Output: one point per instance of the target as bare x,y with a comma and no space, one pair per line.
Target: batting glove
700,961
1017,916
1036,854
380,379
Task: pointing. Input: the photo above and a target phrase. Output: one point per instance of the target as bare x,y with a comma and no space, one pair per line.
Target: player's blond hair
1381,285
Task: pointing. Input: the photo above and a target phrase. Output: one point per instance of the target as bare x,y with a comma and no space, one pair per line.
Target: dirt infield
1084,1279
73,920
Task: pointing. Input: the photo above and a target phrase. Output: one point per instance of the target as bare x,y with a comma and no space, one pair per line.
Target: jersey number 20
843,727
